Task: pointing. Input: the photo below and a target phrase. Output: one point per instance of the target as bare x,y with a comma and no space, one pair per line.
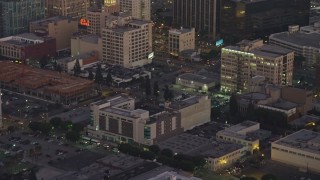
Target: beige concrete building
85,60
60,28
181,40
127,41
138,9
97,18
82,44
300,149
243,134
253,58
195,111
116,119
71,8
195,81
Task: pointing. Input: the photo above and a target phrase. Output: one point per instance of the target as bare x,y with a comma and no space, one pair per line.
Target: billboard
84,22
219,42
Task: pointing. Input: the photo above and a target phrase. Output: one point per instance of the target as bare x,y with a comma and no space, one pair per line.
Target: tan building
60,28
85,60
243,134
82,44
97,18
300,149
253,58
127,42
71,8
138,9
195,111
302,97
181,40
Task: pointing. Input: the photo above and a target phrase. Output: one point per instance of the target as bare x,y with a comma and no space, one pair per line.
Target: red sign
84,22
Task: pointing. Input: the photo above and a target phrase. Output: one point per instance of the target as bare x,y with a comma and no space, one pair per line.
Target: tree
77,127
198,161
233,105
167,152
268,177
250,112
66,125
99,78
11,129
43,62
45,128
155,149
248,178
156,89
91,76
186,165
56,122
72,136
34,126
147,155
59,68
109,79
168,94
148,87
77,68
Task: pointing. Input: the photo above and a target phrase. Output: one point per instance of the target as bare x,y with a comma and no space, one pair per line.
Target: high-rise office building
16,14
71,8
180,40
139,9
242,19
239,64
127,41
200,14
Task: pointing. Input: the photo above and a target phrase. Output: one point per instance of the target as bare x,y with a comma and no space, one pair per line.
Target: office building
83,44
240,63
195,111
242,134
126,41
300,149
180,40
304,43
203,15
60,28
43,84
116,119
138,9
16,15
71,8
27,46
244,19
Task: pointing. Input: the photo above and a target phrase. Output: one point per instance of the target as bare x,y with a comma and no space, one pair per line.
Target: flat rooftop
218,149
304,140
115,100
285,105
124,112
90,38
255,96
181,30
81,56
169,174
196,78
51,20
185,102
241,126
235,131
299,38
305,120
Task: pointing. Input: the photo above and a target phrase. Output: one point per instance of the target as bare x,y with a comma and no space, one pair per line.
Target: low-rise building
27,46
195,81
304,121
300,149
59,27
85,60
82,44
195,111
239,134
171,175
181,40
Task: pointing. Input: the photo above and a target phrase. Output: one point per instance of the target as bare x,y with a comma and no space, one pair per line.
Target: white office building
139,9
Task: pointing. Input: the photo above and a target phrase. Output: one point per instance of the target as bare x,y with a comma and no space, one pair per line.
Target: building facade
127,42
139,9
239,64
71,8
60,28
83,44
16,15
27,46
181,40
85,60
203,15
195,81
300,149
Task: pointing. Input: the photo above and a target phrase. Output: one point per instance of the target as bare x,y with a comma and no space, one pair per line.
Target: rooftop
81,56
196,78
219,148
299,38
285,105
181,30
304,140
241,130
115,100
124,112
304,120
51,20
169,174
185,102
255,96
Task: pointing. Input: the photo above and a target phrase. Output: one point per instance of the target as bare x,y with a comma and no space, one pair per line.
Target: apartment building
116,119
27,46
300,149
304,43
16,15
60,28
71,8
242,133
180,40
138,9
127,41
86,43
240,63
